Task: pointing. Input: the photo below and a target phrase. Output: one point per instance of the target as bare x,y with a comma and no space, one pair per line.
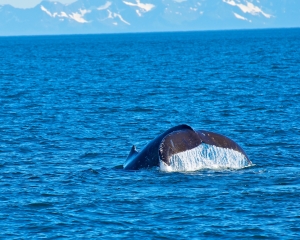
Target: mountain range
115,16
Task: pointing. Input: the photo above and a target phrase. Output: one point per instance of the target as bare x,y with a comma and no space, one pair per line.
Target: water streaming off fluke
205,157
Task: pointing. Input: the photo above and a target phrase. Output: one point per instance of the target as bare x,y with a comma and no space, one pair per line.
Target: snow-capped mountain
107,16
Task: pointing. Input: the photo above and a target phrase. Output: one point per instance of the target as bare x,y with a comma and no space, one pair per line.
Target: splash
205,157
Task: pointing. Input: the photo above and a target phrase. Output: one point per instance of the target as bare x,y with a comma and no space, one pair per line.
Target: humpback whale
163,150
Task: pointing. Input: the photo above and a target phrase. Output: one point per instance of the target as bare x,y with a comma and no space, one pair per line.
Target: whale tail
213,146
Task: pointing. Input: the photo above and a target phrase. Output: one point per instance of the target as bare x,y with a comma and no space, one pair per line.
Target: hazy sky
28,3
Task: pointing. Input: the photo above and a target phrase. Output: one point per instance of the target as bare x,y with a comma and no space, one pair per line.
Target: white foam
205,157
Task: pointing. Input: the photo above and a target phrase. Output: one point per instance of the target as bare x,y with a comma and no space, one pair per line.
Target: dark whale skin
148,157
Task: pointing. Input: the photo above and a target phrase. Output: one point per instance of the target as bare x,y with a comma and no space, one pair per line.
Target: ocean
72,106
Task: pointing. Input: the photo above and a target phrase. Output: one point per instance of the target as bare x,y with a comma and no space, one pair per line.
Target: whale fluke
182,139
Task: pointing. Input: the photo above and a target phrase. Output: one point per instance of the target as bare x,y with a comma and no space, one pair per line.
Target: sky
28,3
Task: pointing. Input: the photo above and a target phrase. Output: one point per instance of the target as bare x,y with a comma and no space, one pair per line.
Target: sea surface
72,106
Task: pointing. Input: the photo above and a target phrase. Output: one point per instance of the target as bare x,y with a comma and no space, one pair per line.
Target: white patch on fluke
205,157
248,8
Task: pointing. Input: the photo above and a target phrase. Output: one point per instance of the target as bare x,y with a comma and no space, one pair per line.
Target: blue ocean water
72,107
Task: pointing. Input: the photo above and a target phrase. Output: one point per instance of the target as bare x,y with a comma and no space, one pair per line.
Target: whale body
165,148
